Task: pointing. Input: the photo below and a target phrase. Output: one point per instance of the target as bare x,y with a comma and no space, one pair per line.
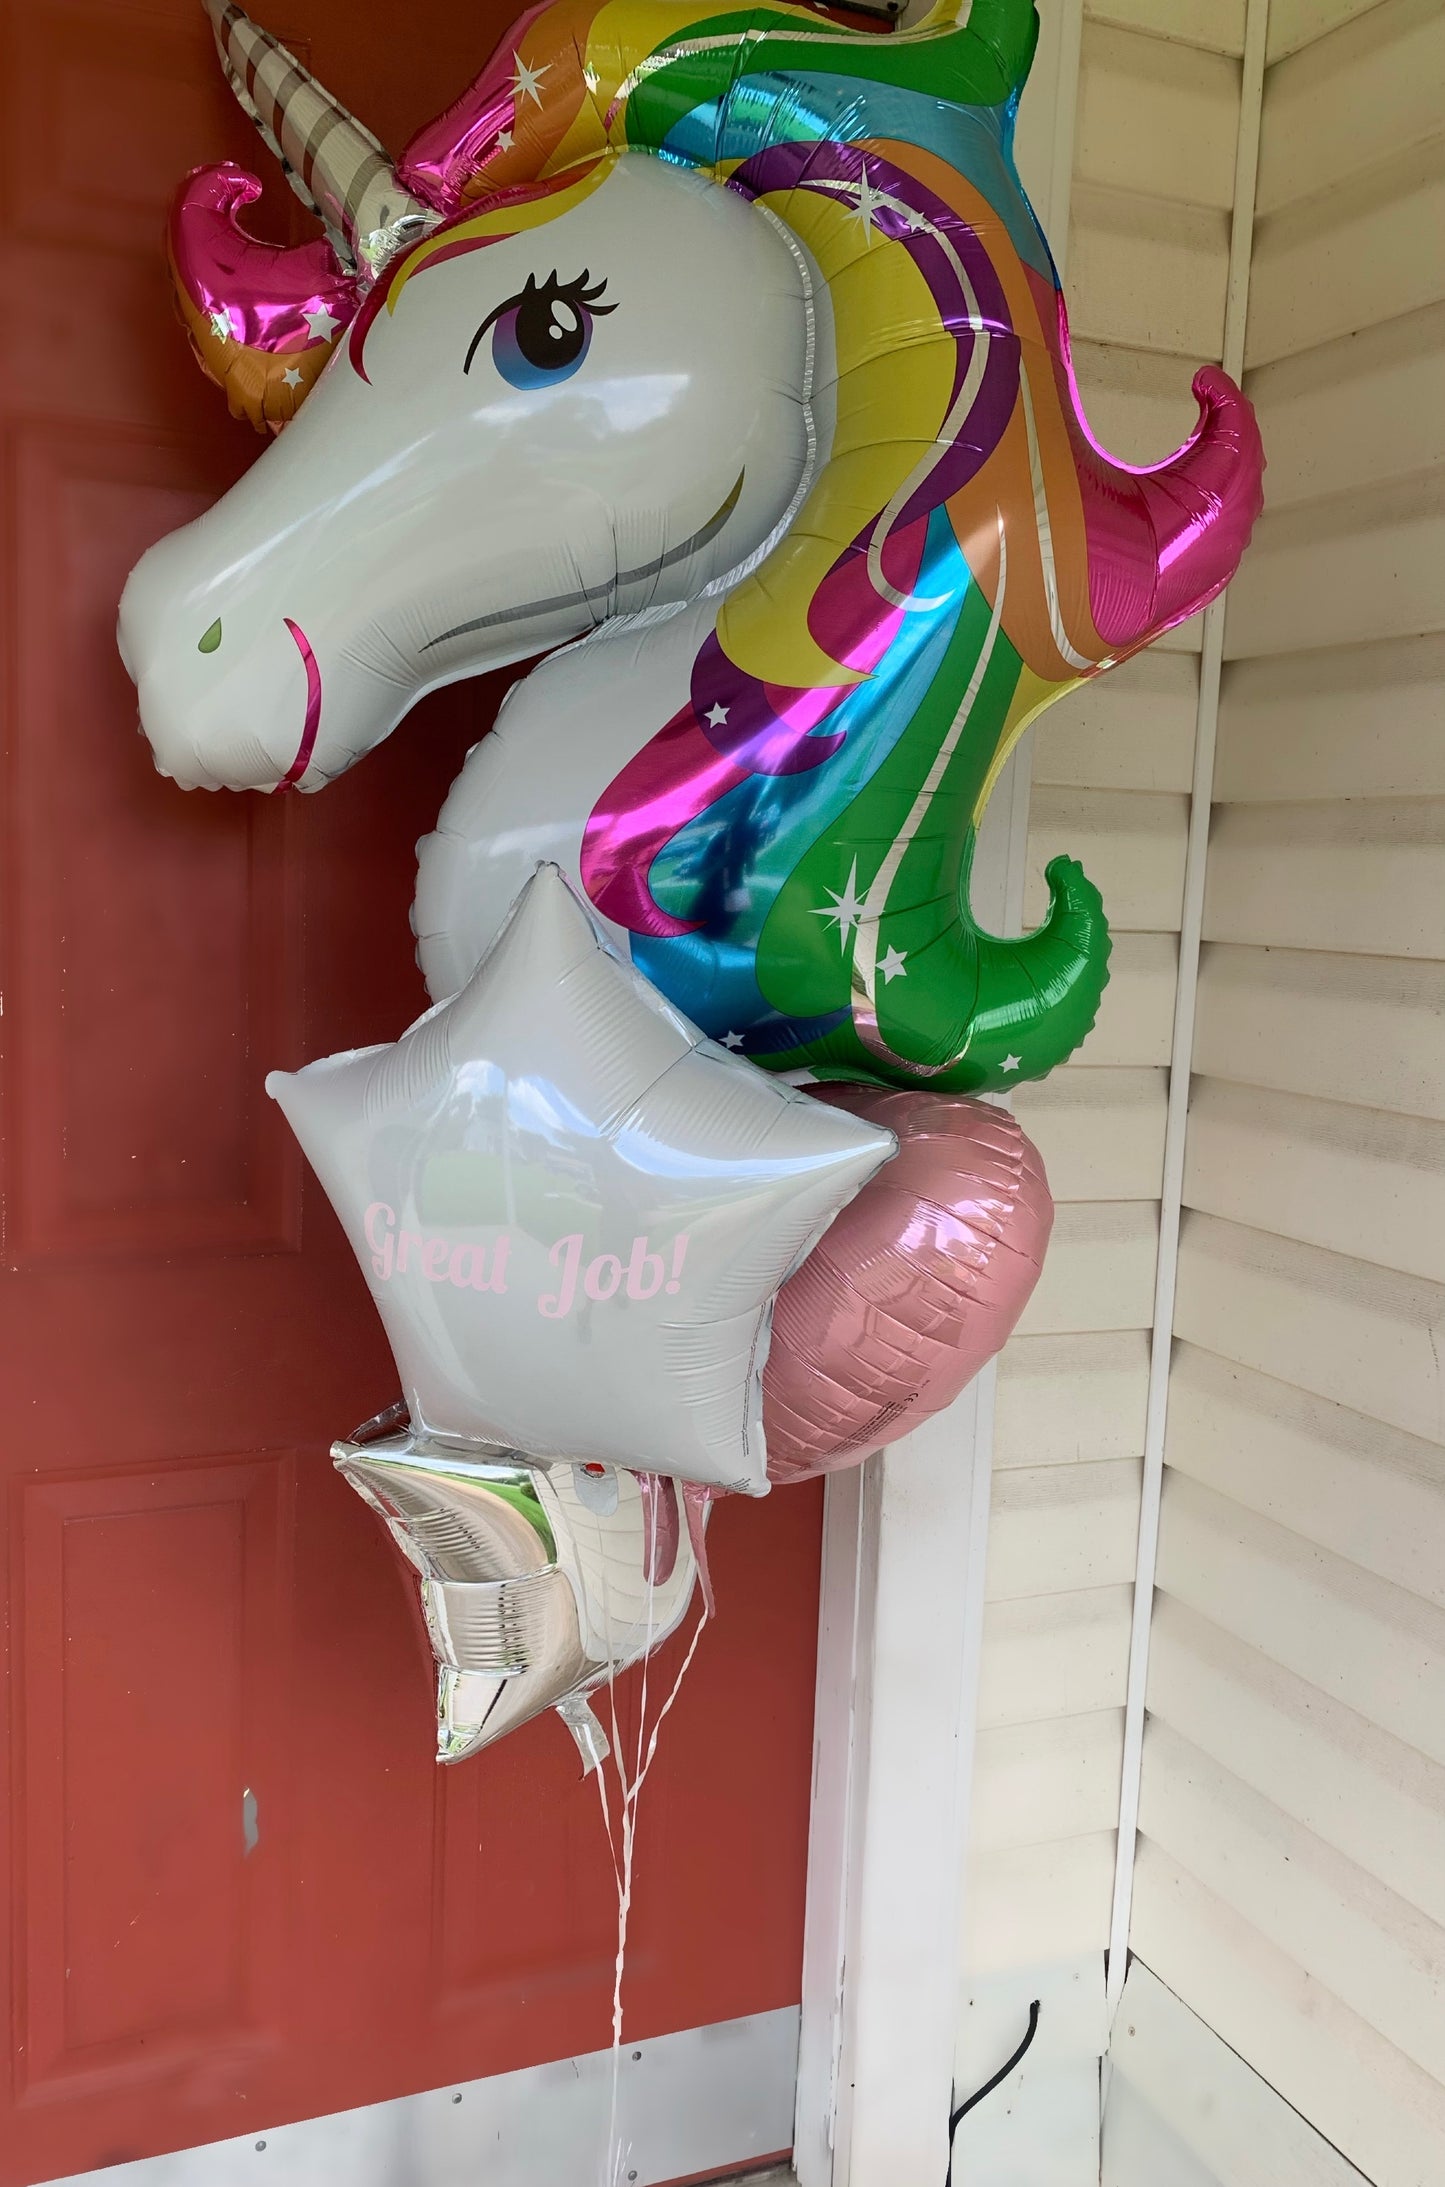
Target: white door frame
905,1540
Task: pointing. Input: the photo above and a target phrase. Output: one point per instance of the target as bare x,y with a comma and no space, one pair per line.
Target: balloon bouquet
720,358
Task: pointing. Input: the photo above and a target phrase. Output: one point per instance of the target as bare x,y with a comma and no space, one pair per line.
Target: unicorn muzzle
227,701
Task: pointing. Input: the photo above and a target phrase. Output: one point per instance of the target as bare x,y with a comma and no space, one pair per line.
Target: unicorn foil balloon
728,345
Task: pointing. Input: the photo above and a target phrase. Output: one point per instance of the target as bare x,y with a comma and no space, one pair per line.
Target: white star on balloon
291,376
526,80
322,323
732,1040
573,1210
715,716
893,965
846,906
221,322
504,140
1011,1063
868,202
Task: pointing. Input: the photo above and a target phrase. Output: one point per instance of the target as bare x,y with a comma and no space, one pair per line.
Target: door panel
236,1890
147,1943
153,958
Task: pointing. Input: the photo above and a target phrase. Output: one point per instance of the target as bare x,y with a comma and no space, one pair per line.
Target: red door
236,1888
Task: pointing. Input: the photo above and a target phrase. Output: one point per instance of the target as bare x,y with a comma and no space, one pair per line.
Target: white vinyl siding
1147,263
1185,2111
1290,1878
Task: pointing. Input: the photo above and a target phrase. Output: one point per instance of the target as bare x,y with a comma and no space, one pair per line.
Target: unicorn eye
542,335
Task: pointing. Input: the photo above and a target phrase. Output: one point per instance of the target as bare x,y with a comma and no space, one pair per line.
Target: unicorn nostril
211,638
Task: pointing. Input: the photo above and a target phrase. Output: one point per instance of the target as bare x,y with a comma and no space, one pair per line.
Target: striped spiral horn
264,318
332,163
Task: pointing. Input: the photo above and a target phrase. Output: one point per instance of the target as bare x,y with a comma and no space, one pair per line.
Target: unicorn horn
332,163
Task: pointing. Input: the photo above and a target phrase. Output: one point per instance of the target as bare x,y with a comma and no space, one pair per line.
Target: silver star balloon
573,1210
536,1583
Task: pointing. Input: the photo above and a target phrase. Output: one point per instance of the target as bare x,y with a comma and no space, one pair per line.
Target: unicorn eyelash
526,325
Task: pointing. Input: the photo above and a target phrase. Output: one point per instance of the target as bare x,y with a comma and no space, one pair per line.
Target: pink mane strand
1165,538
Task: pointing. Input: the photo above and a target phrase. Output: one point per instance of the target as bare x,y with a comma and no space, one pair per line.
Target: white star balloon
573,1210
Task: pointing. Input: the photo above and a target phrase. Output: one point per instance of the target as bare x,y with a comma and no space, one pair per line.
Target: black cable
989,2086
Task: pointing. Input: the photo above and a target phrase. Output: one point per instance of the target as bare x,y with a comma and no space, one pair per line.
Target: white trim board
1184,2109
690,2103
880,1962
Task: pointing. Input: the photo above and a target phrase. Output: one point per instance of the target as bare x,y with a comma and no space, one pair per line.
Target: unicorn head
535,416
743,317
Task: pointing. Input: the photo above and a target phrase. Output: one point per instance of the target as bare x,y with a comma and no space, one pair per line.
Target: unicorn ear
262,319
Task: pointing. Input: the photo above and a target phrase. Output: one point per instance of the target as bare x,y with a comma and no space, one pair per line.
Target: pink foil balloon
912,1288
